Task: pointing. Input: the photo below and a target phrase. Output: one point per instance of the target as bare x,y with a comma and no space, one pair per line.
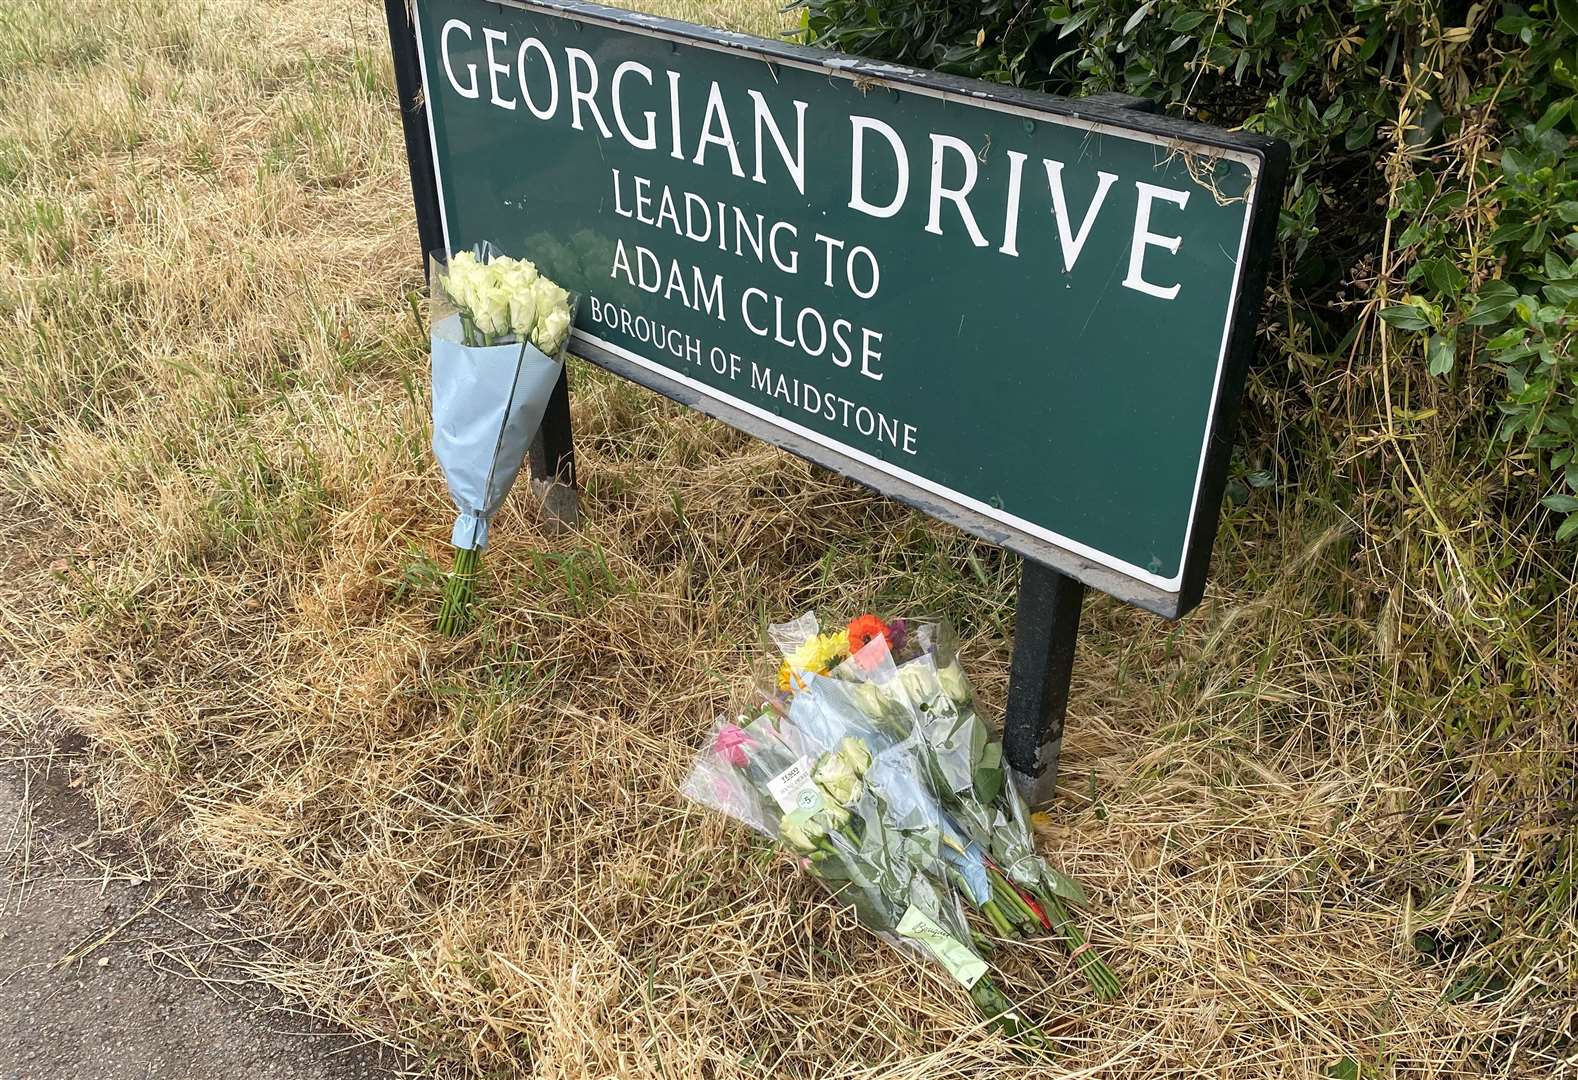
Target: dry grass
222,523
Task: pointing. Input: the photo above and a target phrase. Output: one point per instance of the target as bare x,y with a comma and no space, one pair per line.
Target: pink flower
730,743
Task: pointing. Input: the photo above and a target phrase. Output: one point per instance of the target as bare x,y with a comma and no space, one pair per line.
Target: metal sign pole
553,460
413,122
1045,629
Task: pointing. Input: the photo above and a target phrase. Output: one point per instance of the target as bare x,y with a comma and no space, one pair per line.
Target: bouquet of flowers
869,761
499,329
841,813
928,695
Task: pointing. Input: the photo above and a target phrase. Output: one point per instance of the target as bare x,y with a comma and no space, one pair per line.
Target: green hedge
1431,186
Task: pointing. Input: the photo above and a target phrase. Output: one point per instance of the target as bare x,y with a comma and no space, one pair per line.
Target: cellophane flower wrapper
488,402
828,710
935,818
924,695
763,774
929,696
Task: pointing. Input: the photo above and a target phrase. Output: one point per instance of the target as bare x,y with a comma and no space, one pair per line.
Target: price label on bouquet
793,789
1025,315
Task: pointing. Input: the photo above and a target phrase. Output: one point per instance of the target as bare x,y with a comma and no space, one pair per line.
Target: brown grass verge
223,528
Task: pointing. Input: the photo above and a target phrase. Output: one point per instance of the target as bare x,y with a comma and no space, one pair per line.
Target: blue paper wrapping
488,402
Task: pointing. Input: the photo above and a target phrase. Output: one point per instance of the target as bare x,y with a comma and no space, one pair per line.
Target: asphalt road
105,975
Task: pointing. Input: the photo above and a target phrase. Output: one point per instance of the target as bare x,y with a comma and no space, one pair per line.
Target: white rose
549,296
460,282
856,753
954,683
870,698
490,306
837,778
523,312
551,331
517,274
801,830
920,682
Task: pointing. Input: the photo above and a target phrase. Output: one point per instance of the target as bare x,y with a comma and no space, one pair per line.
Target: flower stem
1003,921
999,921
1004,1017
1097,973
455,614
1012,903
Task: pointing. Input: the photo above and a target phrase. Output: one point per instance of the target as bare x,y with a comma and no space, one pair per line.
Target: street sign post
1027,316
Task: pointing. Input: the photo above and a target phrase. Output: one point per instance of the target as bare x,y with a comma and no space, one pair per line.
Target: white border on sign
865,74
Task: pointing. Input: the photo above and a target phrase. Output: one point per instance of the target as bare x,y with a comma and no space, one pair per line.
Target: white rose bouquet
499,329
501,300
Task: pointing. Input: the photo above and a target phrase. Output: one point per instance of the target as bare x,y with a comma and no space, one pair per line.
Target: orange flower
864,630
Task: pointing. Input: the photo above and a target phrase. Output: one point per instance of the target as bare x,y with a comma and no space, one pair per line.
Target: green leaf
1062,885
1358,135
989,784
1443,276
1553,116
1406,317
1562,504
1343,1069
1567,529
1493,304
1411,235
1498,290
1513,163
1138,16
1442,351
1567,12
1510,232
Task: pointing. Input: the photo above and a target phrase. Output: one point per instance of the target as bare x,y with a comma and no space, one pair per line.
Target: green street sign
1028,316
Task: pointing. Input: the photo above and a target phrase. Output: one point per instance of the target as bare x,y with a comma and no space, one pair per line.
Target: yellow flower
788,680
831,649
817,654
805,657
